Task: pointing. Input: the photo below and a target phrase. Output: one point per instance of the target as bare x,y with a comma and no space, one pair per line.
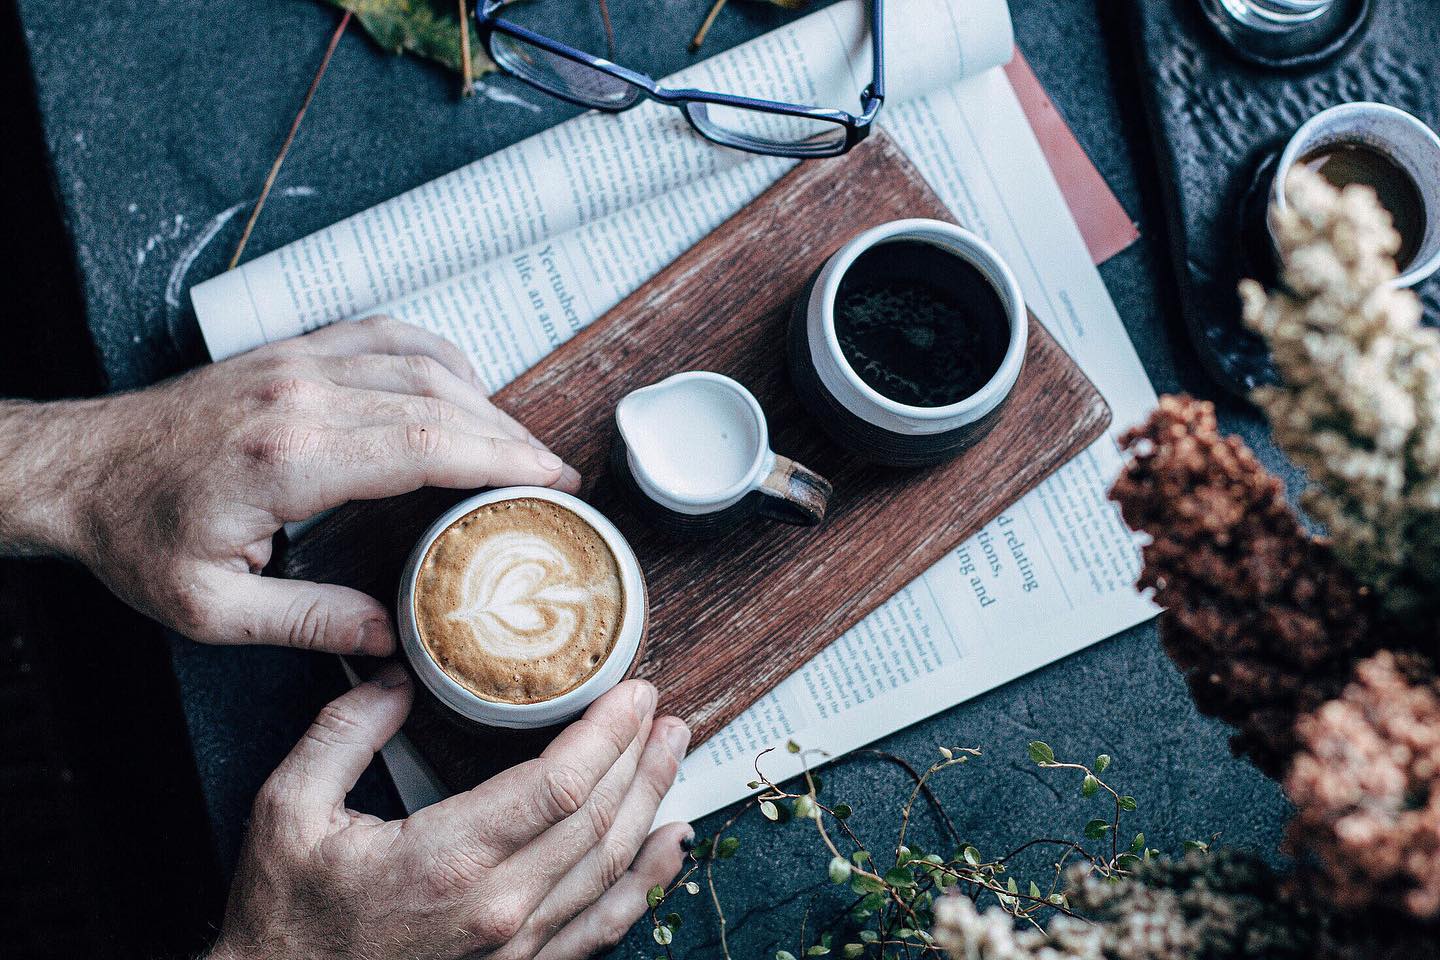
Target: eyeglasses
769,127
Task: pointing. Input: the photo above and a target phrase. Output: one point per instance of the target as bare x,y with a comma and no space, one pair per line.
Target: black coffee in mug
1345,163
919,325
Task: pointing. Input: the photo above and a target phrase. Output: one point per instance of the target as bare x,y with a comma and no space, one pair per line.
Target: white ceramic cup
854,413
568,705
1400,136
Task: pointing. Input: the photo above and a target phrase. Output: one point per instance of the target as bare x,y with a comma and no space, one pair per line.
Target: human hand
548,860
171,495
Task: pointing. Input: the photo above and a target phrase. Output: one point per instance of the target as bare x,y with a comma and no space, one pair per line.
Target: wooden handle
794,494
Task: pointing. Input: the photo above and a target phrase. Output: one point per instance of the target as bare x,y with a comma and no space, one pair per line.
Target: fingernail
687,843
645,698
391,676
678,738
376,638
534,441
570,477
548,460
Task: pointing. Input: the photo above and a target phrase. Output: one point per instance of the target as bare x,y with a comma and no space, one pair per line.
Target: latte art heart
522,597
519,601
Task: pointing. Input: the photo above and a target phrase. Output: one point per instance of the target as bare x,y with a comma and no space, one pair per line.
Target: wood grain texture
731,618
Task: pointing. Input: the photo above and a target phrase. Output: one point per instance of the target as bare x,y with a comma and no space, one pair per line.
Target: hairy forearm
43,467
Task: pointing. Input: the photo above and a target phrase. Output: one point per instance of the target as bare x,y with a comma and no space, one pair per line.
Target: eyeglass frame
856,126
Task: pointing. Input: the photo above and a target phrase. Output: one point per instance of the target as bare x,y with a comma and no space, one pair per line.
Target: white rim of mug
732,494
968,247
571,703
1305,139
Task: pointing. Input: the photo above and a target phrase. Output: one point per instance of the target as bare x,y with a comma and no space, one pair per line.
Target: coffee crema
519,601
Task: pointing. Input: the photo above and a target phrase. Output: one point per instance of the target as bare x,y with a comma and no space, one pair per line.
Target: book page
1049,576
436,249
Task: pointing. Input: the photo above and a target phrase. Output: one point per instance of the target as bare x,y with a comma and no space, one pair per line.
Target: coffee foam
519,601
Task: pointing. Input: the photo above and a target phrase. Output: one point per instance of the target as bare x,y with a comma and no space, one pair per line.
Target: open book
512,254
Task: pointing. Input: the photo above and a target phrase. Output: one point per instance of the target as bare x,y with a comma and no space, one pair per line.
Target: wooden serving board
731,618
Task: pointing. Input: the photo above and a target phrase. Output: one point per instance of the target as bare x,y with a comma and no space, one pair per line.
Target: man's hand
549,859
171,495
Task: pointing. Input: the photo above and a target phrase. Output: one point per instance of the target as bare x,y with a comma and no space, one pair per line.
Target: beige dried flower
1359,406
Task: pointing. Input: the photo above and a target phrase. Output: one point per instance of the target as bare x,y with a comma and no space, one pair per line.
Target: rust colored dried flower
1261,617
1366,785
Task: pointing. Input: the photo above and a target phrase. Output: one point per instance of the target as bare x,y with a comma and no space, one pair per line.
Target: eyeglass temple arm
875,93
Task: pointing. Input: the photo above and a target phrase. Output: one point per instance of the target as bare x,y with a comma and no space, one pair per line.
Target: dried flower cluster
1359,409
1366,785
1206,905
1261,617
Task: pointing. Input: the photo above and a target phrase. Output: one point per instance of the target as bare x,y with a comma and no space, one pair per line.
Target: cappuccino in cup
521,606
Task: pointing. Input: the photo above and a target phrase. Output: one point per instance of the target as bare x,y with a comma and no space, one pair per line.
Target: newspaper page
513,254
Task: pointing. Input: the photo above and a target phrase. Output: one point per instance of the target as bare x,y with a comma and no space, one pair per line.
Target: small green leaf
673,920
852,950
754,785
1102,763
899,877
842,811
904,933
1127,803
703,849
804,807
784,955
947,753
817,950
1127,861
1095,829
1034,890
654,895
859,857
1088,786
726,848
1040,752
839,869
1056,899
1138,843
1196,845
902,855
1012,886
663,935
792,746
768,811
971,856
869,936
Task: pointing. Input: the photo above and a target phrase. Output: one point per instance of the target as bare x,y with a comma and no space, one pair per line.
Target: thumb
315,777
297,613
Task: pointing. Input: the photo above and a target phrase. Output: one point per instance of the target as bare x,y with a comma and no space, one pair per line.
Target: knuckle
286,389
335,724
563,791
601,811
280,444
497,922
455,871
425,372
615,858
425,441
308,627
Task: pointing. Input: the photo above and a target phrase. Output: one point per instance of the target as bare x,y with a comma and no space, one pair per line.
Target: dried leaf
426,28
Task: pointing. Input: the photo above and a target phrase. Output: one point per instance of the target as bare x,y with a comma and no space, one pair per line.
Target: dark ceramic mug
864,421
693,454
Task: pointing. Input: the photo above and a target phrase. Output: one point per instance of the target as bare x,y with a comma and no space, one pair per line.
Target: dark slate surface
1220,124
163,115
